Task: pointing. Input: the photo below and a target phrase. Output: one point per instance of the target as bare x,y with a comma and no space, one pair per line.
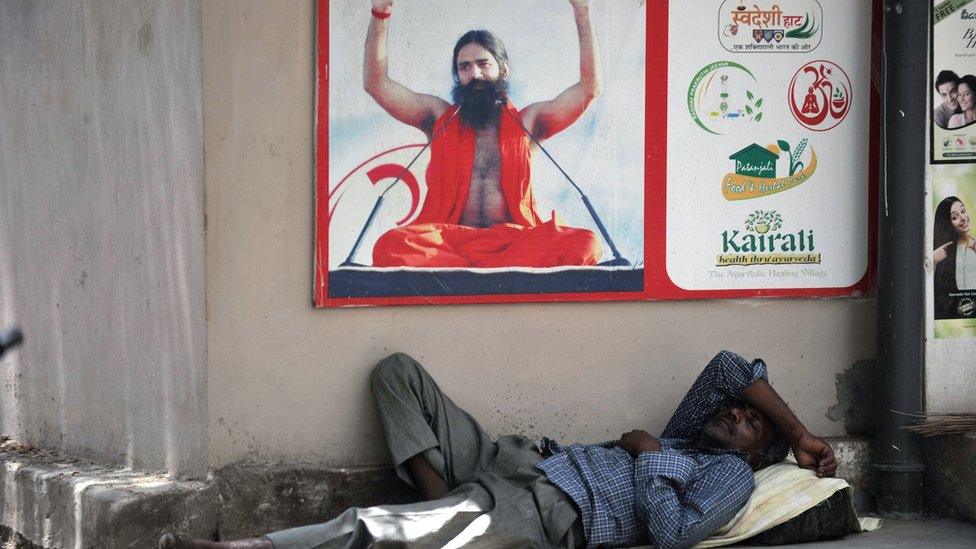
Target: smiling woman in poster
966,96
955,256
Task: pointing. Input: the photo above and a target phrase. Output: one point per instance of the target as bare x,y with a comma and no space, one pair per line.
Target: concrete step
895,534
50,501
53,501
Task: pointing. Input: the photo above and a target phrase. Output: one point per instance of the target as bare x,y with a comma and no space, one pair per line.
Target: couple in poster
958,95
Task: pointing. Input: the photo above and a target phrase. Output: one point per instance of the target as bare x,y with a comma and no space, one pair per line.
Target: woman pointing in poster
955,256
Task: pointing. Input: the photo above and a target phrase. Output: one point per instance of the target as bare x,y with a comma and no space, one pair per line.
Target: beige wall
288,382
101,230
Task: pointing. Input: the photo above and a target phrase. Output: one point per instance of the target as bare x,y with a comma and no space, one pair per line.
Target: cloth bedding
783,491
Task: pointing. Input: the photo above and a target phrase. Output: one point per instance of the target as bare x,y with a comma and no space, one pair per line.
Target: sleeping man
672,491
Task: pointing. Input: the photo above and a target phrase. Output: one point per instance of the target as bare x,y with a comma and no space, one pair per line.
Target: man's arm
419,110
810,452
719,385
680,503
547,118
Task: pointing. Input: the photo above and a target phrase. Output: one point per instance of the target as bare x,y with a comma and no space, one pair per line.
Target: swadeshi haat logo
722,96
757,169
762,243
766,28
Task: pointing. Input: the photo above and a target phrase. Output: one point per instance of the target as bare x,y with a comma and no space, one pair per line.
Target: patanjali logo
762,243
762,171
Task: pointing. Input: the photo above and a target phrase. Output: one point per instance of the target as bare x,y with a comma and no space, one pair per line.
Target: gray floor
893,534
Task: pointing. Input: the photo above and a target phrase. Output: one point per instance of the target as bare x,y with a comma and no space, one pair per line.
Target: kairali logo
761,242
757,169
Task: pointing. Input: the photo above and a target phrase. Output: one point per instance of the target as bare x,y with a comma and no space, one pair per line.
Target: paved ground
894,534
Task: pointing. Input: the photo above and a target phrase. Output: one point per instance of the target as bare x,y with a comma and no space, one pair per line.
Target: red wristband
381,15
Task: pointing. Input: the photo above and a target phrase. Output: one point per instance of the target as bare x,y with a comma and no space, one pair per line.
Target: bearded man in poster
480,210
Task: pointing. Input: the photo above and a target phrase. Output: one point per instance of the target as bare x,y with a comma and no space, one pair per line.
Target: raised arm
810,451
718,386
419,110
548,118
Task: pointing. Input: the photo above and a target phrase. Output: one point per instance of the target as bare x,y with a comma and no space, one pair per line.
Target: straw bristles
930,425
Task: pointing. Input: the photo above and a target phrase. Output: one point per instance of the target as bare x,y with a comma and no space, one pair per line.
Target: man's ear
503,70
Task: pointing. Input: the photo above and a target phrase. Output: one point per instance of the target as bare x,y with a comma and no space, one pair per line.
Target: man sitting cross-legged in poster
480,210
672,491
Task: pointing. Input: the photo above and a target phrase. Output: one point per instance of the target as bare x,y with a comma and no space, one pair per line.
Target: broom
930,425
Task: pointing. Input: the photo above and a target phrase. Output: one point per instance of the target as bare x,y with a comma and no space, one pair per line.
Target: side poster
455,165
953,251
953,85
768,153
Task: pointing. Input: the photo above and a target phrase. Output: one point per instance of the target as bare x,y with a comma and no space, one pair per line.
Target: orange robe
435,238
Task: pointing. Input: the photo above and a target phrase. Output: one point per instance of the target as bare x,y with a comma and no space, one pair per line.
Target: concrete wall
950,380
288,382
101,230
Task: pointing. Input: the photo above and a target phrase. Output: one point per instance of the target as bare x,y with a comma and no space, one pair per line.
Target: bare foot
171,541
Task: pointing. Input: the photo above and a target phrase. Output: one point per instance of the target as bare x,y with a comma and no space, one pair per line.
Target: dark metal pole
898,463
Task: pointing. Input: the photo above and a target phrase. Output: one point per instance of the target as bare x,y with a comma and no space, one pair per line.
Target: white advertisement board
768,144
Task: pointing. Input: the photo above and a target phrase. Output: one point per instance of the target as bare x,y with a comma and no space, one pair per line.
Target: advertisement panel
953,251
769,159
727,149
953,83
456,165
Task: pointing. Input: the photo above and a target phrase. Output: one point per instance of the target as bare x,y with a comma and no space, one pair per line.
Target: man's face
474,62
741,428
948,93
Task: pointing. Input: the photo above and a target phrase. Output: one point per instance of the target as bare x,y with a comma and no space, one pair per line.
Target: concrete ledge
257,499
950,475
52,501
853,455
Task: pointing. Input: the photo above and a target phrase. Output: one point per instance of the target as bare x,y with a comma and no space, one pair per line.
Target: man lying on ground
672,491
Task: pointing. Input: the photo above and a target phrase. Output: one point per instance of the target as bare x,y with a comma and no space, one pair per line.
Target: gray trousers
498,497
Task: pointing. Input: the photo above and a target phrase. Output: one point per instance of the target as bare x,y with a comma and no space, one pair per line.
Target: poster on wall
681,149
769,161
483,151
953,251
952,129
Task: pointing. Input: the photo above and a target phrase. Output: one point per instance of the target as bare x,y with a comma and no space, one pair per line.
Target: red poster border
657,283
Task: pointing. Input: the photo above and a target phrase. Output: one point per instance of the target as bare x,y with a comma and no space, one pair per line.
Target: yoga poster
953,83
953,246
769,160
505,164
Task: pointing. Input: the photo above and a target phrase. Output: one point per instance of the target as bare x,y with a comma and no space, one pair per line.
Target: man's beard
707,440
480,100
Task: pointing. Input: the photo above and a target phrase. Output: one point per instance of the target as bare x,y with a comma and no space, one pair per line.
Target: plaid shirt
675,497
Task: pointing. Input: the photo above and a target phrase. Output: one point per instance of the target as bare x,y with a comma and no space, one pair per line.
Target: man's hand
383,6
638,441
579,3
814,454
